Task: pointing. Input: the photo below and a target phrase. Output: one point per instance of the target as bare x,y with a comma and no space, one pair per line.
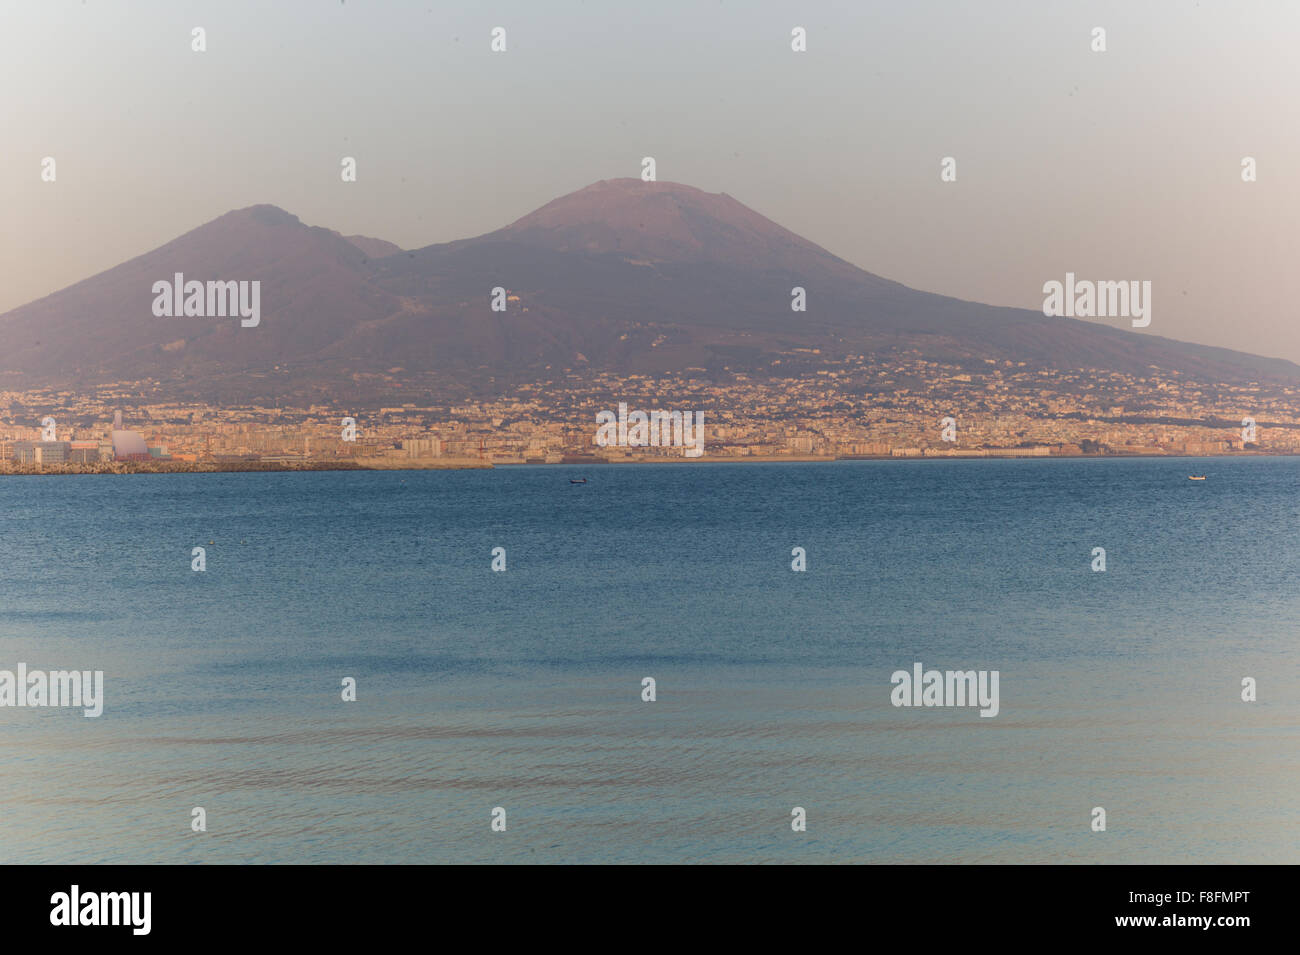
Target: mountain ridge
622,275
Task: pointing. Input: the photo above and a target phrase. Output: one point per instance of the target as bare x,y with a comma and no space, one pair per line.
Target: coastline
9,469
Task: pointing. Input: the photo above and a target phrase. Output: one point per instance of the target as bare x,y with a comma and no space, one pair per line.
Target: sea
500,715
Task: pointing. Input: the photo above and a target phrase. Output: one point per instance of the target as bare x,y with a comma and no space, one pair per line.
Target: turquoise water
522,689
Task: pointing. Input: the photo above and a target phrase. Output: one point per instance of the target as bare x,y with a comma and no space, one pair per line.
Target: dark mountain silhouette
375,248
624,275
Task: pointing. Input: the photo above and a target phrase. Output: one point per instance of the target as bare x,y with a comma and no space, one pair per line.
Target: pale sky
1117,165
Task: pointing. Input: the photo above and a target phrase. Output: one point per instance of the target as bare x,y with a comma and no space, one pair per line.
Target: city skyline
1008,410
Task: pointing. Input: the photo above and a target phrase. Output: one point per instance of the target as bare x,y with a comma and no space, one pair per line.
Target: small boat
1196,477
577,480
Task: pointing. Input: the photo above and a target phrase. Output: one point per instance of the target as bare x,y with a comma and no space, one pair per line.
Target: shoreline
120,468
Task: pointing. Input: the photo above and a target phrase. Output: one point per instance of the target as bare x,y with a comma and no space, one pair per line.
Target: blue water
522,689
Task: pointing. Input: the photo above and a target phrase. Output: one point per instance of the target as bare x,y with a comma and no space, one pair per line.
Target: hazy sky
1117,165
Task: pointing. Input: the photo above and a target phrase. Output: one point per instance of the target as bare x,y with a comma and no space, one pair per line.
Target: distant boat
577,480
1196,477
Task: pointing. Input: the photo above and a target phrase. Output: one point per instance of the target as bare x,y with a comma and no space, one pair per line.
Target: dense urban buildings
855,407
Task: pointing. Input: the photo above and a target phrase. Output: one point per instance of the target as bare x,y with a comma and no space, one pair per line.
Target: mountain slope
315,284
623,275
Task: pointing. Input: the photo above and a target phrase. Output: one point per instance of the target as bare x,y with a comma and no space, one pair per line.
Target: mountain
375,248
315,283
624,276
668,222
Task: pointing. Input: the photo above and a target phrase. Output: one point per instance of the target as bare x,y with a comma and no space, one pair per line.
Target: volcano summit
623,276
